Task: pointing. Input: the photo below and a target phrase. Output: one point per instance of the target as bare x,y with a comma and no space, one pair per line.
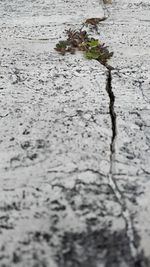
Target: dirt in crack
111,108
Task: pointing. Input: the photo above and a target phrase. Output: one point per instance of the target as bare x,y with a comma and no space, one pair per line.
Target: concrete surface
74,139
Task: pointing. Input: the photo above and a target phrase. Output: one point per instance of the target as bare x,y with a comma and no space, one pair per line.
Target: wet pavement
74,139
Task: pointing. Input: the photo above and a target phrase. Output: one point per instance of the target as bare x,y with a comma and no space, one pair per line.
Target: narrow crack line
111,108
3,116
77,171
130,231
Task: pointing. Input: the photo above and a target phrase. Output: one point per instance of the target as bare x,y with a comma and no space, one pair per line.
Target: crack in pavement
76,170
130,230
3,116
136,253
111,108
112,181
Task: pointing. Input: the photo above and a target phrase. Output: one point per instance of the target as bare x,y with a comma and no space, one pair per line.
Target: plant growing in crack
80,41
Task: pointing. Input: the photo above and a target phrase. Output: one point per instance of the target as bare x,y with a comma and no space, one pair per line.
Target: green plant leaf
92,55
93,43
61,44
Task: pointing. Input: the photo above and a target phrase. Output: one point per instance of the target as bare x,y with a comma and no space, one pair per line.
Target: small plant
79,40
63,47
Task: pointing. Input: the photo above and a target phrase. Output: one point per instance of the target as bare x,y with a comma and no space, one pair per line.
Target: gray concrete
70,194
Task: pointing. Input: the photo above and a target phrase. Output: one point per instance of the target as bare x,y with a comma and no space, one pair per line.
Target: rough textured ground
74,163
